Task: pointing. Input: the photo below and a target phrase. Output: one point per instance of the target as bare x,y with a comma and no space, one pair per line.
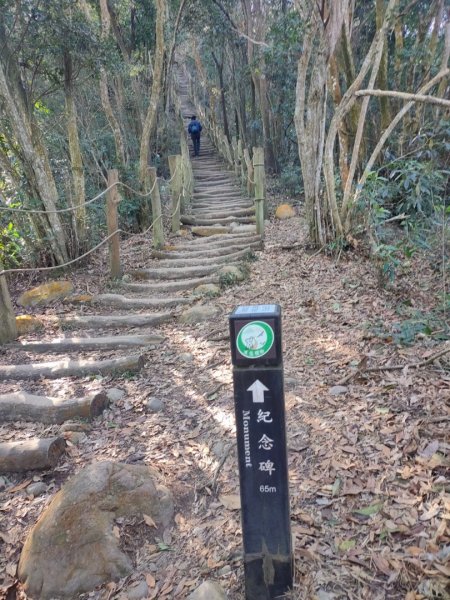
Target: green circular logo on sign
255,339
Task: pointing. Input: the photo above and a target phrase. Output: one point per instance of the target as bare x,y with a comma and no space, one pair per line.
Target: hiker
195,128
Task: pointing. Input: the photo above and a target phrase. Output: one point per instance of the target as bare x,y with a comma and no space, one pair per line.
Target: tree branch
404,96
235,28
395,121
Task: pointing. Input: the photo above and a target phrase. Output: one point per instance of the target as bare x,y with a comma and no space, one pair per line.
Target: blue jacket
195,125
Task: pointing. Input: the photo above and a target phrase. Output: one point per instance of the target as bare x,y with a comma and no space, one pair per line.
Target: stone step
218,240
223,256
174,273
206,174
224,189
72,368
215,214
199,221
218,196
220,205
120,301
207,251
209,230
170,286
81,344
215,180
114,321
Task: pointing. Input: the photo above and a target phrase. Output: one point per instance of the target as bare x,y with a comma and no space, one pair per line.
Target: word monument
256,351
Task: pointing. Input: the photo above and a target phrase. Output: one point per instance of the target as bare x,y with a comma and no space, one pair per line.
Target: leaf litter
368,458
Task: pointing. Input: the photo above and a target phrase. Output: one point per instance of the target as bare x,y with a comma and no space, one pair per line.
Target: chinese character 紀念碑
267,466
263,416
265,443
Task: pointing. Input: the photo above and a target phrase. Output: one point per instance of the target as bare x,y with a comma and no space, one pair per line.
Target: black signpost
255,333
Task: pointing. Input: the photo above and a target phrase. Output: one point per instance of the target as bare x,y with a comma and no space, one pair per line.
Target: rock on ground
284,211
208,590
72,548
137,591
207,289
28,324
46,293
199,313
155,405
231,271
36,489
115,394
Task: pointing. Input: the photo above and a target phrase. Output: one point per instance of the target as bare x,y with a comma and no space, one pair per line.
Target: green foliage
386,260
405,331
417,187
290,180
11,246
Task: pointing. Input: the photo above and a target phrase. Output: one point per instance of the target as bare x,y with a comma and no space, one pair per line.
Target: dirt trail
368,461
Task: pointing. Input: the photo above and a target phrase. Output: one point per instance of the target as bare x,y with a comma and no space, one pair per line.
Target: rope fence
112,205
92,250
88,202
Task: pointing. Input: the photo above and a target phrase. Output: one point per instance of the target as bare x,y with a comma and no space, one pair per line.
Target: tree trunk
72,368
371,60
8,329
382,79
150,120
34,153
219,66
324,26
104,91
76,160
21,406
342,131
31,454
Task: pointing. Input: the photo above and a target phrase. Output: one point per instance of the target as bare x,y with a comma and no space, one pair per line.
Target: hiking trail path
120,328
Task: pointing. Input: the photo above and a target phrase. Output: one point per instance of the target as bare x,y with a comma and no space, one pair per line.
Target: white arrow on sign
257,389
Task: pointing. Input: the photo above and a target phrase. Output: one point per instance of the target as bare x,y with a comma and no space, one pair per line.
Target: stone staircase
117,330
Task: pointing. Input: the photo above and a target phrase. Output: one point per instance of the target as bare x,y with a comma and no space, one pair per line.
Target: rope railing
94,249
88,202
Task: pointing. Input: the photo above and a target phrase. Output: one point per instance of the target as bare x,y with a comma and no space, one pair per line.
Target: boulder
231,272
43,294
199,313
207,289
208,590
74,547
28,324
284,211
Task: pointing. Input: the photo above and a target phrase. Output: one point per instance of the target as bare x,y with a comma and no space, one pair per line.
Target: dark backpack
195,127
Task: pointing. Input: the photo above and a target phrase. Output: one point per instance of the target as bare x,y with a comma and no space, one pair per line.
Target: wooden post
8,328
250,174
258,166
112,222
241,161
158,229
228,153
187,182
176,188
235,156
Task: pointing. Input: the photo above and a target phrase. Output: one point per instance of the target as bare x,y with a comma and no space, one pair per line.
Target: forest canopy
86,86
